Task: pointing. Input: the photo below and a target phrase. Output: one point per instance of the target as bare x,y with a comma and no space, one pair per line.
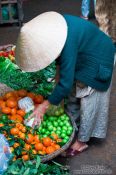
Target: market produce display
38,82
26,142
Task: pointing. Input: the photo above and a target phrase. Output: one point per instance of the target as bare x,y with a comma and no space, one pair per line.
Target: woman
85,8
85,57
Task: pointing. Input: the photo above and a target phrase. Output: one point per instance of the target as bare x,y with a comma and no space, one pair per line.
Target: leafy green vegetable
36,82
20,167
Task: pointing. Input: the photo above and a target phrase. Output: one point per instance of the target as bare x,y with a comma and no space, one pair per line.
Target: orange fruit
22,92
23,129
31,95
38,146
19,118
1,101
34,151
44,148
21,112
27,147
47,141
13,117
24,152
1,98
1,124
16,145
14,131
6,110
41,152
11,103
36,138
55,136
8,95
25,157
50,149
57,147
14,158
29,138
12,98
3,104
20,126
22,136
38,99
13,111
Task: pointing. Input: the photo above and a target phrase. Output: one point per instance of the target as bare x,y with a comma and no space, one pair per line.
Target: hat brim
41,41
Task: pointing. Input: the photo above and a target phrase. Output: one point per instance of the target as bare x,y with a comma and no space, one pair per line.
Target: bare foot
79,146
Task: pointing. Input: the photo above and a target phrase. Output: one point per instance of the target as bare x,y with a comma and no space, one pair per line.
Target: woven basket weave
4,89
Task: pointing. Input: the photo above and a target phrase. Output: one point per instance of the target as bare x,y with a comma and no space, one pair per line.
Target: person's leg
85,8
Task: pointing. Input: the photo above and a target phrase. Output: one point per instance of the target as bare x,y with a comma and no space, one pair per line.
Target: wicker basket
4,89
62,149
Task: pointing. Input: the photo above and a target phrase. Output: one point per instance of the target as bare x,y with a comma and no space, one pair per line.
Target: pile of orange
33,143
9,103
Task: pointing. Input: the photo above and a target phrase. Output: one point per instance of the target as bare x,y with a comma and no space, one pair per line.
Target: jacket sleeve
67,71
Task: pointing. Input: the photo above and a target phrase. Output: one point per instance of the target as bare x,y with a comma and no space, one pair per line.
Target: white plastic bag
5,154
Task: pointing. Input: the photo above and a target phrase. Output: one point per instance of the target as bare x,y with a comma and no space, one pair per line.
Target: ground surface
100,158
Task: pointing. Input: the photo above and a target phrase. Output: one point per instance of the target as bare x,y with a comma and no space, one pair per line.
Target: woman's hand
39,112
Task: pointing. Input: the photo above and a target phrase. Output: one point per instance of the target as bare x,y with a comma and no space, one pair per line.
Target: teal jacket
88,56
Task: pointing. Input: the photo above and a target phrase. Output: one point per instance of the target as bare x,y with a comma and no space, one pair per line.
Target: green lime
51,119
64,141
68,124
61,123
58,133
47,132
67,118
49,123
43,131
64,128
50,128
40,128
64,132
67,138
59,120
63,135
65,122
45,135
69,132
58,128
70,128
62,117
55,123
54,129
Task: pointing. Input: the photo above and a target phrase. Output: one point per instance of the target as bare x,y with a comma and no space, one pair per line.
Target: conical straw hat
41,41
